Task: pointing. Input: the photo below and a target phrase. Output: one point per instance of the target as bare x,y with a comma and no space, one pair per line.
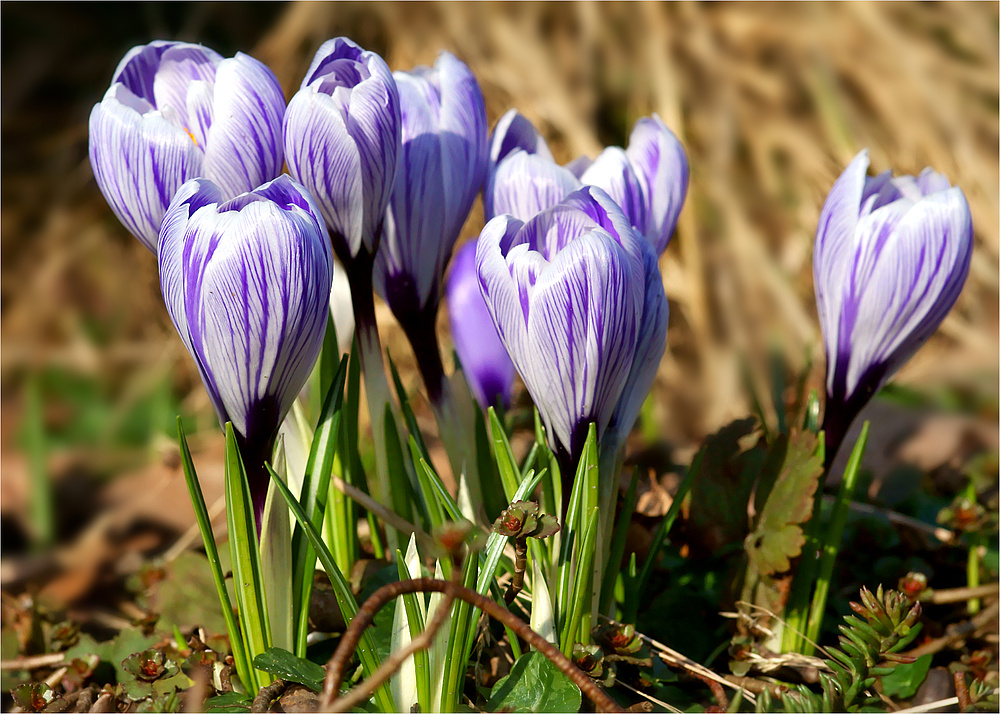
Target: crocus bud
485,361
570,292
890,259
513,132
247,284
177,111
612,171
441,169
342,138
526,184
660,163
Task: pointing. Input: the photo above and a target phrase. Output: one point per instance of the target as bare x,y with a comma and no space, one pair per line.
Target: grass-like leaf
342,590
247,579
212,552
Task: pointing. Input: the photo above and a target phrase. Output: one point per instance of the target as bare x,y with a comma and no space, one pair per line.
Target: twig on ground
385,594
717,691
34,662
266,695
957,631
421,642
942,534
939,705
962,691
757,686
652,699
673,657
942,597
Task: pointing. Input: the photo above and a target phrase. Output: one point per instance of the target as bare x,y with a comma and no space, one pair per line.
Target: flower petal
582,330
139,161
527,184
613,172
660,162
485,362
244,145
511,133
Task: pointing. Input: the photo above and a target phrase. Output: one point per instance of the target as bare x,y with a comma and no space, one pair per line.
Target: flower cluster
562,284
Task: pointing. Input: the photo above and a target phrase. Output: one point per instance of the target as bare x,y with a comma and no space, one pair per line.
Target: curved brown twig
387,593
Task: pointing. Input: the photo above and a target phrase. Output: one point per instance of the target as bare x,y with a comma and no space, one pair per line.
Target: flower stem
831,541
373,369
454,428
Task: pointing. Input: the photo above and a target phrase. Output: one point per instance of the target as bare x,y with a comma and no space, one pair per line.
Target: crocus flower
576,297
247,284
342,138
177,111
648,180
441,169
485,361
513,132
890,259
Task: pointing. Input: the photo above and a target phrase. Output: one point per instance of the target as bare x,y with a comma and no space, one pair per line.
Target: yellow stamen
191,135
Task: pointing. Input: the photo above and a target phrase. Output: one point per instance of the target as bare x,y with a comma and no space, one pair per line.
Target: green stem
376,385
831,541
972,570
805,574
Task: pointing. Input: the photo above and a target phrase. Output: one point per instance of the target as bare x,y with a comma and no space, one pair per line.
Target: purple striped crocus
890,259
485,362
512,133
177,111
648,180
247,282
441,168
577,298
342,139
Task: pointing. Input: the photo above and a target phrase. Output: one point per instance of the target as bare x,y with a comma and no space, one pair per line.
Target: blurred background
771,100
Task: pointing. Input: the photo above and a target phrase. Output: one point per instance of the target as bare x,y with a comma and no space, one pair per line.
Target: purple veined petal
527,184
247,284
661,165
512,132
613,172
332,51
582,332
182,259
834,242
505,283
578,166
244,146
908,273
485,362
463,132
649,349
323,156
138,68
930,181
342,140
139,161
179,66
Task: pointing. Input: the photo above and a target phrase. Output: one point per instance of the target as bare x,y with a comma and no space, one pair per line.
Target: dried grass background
771,101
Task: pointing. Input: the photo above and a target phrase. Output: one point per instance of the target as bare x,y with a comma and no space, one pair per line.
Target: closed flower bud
890,259
512,133
577,300
177,111
247,284
441,168
485,361
342,139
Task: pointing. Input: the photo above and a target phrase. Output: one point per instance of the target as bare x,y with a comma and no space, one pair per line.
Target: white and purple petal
485,362
244,144
139,161
527,184
613,172
661,165
513,132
